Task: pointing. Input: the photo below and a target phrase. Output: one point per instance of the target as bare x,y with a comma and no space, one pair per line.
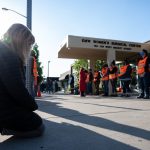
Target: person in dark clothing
143,72
16,104
113,73
96,81
71,83
125,77
89,81
105,79
49,86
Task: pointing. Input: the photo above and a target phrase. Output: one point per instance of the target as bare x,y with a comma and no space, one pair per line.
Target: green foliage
84,63
39,67
99,64
79,63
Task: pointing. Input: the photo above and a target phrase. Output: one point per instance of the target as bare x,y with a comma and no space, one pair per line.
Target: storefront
76,47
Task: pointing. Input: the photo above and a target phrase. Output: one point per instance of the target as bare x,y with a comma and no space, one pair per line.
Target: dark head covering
113,63
126,61
145,51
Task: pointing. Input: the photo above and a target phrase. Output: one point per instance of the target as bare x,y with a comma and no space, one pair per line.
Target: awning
64,75
76,47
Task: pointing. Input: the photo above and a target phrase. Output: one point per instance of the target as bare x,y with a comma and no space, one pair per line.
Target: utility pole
29,14
48,69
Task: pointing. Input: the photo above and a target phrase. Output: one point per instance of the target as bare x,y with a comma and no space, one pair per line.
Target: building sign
94,43
111,44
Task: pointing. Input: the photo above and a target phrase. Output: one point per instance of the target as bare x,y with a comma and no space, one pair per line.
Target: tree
99,64
39,67
79,63
84,63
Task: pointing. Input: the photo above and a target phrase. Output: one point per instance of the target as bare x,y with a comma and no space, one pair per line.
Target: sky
53,20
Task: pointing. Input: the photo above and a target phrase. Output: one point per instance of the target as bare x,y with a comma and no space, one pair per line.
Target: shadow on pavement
62,136
74,115
128,108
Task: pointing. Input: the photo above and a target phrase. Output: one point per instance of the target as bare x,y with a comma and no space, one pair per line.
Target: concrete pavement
88,123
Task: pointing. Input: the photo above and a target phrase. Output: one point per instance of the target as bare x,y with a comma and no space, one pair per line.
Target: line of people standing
112,74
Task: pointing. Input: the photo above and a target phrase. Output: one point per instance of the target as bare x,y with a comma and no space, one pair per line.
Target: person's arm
127,74
11,77
147,67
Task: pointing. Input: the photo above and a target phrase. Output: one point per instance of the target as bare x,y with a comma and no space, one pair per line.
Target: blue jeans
89,88
106,89
144,84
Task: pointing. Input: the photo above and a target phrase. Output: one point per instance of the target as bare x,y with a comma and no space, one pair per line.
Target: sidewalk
88,123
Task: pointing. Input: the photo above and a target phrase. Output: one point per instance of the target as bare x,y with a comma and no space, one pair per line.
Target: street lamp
48,67
29,13
6,9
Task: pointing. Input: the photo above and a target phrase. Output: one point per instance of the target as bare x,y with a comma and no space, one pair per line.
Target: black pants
125,85
82,93
114,85
97,87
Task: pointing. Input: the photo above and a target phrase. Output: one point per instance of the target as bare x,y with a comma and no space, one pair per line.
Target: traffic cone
39,92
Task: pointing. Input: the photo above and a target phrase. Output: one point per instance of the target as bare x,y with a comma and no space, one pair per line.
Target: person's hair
19,39
113,63
33,53
126,61
105,65
145,51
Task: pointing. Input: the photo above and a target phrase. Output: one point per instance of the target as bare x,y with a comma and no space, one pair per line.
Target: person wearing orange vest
143,71
113,74
35,75
35,72
105,79
96,81
125,77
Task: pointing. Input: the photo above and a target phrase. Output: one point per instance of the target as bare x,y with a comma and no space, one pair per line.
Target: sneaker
7,132
105,95
146,97
140,96
122,95
114,95
127,95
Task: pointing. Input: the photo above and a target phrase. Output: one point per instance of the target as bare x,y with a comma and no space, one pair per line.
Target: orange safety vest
104,72
123,70
87,78
35,72
95,76
141,66
114,75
